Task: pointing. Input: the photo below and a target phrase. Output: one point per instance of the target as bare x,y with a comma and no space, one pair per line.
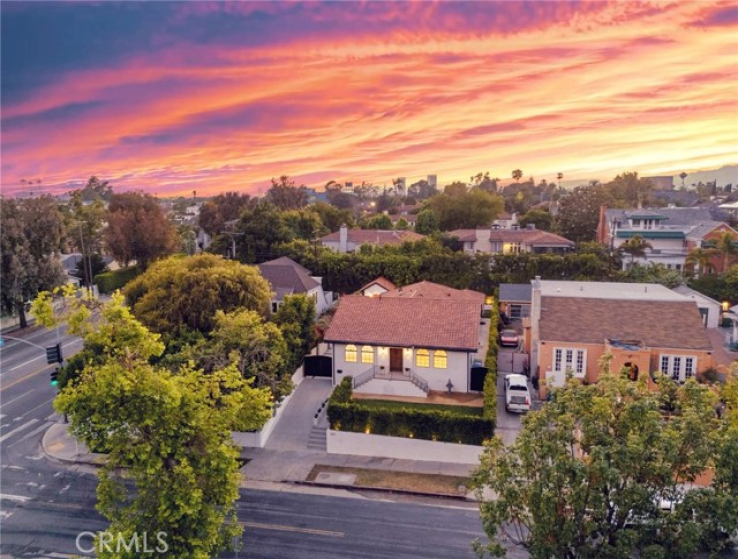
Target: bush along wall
110,281
490,361
345,414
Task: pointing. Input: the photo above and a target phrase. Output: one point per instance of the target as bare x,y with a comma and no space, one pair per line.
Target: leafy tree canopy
426,222
380,221
185,293
579,212
540,218
220,209
466,210
286,195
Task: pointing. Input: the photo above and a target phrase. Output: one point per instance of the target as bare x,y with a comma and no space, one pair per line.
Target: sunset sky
176,97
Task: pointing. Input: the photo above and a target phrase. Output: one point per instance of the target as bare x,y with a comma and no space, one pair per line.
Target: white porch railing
364,377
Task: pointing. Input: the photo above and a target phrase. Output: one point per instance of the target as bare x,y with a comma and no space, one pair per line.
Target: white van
517,395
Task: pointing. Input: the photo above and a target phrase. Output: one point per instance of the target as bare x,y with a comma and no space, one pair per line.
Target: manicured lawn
394,405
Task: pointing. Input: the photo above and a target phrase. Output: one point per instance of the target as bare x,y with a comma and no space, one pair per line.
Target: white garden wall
341,442
257,439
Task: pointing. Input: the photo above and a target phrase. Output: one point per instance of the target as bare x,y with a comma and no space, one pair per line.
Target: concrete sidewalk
265,466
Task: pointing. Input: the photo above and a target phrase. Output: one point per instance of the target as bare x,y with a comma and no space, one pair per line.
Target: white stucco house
287,277
710,309
349,240
377,287
407,342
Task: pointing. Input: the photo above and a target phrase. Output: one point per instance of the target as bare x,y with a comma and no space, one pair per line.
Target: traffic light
55,377
54,354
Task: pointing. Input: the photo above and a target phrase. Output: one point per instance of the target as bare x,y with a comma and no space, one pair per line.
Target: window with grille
422,358
440,359
351,354
678,367
574,360
367,354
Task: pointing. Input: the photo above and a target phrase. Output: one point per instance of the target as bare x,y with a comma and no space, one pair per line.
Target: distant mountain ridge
728,174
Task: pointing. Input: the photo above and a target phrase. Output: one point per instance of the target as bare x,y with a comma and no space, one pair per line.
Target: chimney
603,232
535,317
343,239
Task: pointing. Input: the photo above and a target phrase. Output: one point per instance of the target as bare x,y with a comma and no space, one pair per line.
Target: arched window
422,358
351,354
440,359
367,354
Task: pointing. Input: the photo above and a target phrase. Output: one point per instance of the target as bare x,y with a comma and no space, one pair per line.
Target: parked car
509,338
517,395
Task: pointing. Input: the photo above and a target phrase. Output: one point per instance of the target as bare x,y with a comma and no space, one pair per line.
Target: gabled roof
673,217
414,322
533,237
693,294
374,236
286,276
657,324
464,235
516,292
430,290
381,281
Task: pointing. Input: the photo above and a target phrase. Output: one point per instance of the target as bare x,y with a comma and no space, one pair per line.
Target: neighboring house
349,240
406,345
376,287
672,233
287,277
511,241
710,309
70,261
514,299
430,290
409,218
646,327
506,220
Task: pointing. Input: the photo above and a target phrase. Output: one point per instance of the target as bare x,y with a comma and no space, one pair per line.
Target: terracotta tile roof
374,236
414,322
381,281
533,237
464,235
657,324
287,276
430,290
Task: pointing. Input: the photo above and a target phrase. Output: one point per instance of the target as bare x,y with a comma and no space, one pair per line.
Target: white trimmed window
351,354
440,359
422,358
570,359
678,367
367,354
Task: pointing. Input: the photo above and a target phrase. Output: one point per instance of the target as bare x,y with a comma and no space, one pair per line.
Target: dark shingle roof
287,276
413,322
658,324
517,292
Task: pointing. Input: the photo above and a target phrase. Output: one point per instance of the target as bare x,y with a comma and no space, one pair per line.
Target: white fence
257,439
341,442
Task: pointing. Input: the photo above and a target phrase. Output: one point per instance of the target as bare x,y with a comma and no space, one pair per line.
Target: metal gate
512,362
318,366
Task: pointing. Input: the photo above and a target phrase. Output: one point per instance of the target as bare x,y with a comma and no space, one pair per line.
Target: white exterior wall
340,442
458,369
336,246
374,290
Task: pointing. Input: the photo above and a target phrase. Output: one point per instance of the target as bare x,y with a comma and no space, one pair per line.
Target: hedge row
433,425
110,281
490,361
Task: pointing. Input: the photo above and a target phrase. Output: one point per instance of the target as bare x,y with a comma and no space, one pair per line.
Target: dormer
645,221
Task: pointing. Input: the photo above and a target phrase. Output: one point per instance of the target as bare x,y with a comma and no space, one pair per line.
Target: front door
396,359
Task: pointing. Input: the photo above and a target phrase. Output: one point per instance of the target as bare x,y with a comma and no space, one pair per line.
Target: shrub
433,425
490,361
110,281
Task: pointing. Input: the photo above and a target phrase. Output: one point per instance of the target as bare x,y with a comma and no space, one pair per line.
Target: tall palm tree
517,174
698,258
635,246
559,176
727,248
682,176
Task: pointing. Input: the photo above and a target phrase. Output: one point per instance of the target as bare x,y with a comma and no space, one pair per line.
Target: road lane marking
41,356
16,498
282,528
22,379
27,412
14,399
14,431
31,434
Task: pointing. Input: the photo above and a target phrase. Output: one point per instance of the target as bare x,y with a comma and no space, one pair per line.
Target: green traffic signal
55,377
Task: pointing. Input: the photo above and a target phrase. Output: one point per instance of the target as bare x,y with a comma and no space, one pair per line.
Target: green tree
167,433
468,210
726,247
540,218
30,238
178,294
380,221
221,209
627,190
84,224
402,224
484,182
332,217
698,258
258,232
635,246
455,189
296,319
304,224
286,195
587,472
138,229
96,189
426,222
579,212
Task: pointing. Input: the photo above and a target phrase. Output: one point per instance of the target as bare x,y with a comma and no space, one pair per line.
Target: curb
89,458
384,490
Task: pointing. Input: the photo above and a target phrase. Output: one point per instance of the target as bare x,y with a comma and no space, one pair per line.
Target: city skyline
176,97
